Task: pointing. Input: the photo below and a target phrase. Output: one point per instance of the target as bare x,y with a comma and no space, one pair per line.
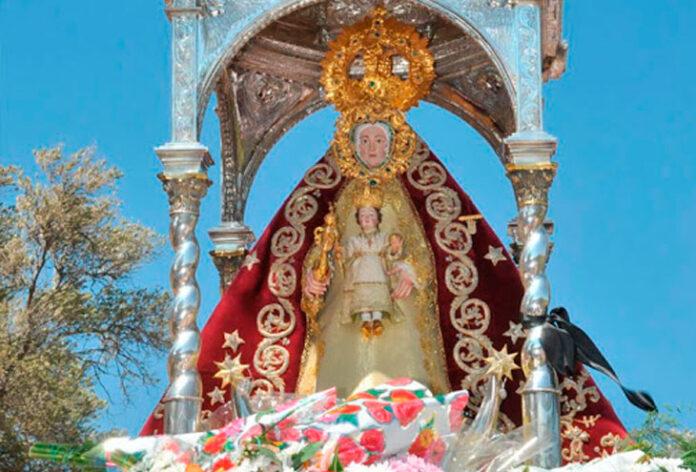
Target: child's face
395,242
367,218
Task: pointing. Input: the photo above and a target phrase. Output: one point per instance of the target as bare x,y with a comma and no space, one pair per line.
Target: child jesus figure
376,274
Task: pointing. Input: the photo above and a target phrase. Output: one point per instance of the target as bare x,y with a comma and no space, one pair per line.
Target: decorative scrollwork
456,237
469,354
286,241
461,277
469,317
301,209
427,176
276,321
473,316
282,279
444,205
322,176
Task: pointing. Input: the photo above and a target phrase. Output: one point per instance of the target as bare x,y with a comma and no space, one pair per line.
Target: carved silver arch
266,76
224,34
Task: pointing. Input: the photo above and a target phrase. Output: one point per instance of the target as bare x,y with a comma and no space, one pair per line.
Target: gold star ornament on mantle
501,363
233,340
230,371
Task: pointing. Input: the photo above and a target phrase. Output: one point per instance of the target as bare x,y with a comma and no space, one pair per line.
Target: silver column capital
231,240
531,182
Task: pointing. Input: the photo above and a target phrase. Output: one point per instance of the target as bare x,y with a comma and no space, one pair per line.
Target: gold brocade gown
411,344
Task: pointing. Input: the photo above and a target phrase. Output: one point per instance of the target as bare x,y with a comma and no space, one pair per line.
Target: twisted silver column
540,394
184,396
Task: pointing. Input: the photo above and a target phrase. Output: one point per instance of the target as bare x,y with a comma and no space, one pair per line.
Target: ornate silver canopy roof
262,60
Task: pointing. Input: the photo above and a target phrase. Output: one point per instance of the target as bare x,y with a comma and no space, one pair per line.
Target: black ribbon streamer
567,346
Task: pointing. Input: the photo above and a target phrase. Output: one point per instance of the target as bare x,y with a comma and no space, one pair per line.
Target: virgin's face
367,218
373,145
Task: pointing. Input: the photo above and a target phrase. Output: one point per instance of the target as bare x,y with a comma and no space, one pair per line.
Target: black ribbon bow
567,346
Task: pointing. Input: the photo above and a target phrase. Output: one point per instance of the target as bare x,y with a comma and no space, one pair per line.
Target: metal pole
186,182
540,394
184,396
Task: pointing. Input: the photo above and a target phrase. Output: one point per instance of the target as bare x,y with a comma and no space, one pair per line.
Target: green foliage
661,435
69,312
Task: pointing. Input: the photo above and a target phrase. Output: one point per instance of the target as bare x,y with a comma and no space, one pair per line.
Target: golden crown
369,196
377,44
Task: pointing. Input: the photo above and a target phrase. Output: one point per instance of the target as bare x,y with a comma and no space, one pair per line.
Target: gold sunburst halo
377,40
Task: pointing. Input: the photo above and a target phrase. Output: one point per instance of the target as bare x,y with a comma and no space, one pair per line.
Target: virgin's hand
404,287
314,287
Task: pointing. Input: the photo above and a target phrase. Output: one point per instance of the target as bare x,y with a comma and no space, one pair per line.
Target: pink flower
372,440
349,451
284,431
234,427
313,435
456,411
407,411
377,410
412,463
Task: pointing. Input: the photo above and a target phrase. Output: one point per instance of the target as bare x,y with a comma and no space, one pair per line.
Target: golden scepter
326,242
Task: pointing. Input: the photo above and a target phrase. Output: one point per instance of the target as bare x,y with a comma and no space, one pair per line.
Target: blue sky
624,201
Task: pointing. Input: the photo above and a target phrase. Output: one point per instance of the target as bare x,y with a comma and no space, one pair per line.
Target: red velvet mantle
590,426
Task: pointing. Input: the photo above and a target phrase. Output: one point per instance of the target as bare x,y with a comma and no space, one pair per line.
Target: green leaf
352,419
264,451
336,464
305,454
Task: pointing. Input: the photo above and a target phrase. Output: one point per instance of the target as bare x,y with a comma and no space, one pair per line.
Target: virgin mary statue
378,265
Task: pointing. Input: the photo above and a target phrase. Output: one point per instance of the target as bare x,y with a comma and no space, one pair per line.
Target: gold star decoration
501,363
230,371
250,260
495,255
216,396
233,340
515,332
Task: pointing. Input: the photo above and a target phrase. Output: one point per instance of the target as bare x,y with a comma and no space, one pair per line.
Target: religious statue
378,265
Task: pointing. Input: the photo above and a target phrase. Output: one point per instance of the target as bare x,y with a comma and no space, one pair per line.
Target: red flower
313,435
407,411
372,440
456,411
349,452
401,395
420,445
214,443
345,409
223,465
361,395
377,410
284,431
428,446
436,452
